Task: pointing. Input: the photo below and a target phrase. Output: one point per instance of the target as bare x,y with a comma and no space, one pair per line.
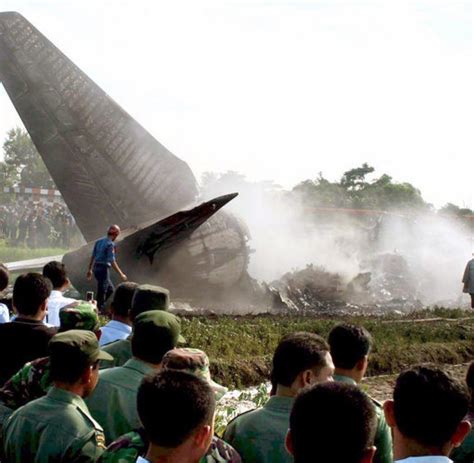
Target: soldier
145,298
188,403
103,257
301,359
58,427
315,425
427,415
33,380
113,403
130,446
350,348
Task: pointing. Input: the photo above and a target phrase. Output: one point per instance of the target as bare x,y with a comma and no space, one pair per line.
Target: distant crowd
133,391
40,226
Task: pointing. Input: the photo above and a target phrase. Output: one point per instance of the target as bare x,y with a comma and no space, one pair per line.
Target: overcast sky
281,90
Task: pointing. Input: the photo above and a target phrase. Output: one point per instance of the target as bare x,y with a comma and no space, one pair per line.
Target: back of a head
56,272
428,405
29,292
155,332
315,424
149,297
71,353
172,405
295,353
4,277
349,344
122,298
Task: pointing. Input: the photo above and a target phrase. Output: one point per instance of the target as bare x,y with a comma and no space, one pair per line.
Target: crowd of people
38,226
129,391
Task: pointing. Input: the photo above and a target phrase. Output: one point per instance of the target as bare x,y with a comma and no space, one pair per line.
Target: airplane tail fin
108,168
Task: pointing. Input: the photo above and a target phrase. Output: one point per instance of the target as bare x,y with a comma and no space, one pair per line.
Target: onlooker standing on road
4,278
120,326
427,415
25,338
103,257
56,273
468,280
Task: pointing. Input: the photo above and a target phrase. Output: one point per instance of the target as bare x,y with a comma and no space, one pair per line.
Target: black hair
429,405
122,298
295,353
315,423
68,367
172,404
29,292
349,344
4,277
56,272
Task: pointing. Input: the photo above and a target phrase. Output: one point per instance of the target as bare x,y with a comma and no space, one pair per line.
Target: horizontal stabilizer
177,227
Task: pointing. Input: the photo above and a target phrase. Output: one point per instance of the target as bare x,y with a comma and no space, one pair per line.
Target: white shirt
113,331
427,459
141,460
56,302
4,314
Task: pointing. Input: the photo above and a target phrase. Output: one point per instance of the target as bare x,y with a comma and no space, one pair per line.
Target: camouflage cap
155,323
193,361
149,297
76,345
79,315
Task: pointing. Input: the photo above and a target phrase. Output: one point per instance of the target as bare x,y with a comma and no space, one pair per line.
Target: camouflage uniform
127,448
58,427
193,361
32,381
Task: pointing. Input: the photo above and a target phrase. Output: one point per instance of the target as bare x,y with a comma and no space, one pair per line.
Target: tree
22,165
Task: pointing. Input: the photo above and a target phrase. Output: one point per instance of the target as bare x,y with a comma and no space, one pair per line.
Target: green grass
12,253
240,348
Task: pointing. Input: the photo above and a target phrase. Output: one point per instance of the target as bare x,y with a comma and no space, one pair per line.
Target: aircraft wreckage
109,169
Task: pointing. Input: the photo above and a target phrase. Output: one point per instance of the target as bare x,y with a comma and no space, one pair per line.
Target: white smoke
286,236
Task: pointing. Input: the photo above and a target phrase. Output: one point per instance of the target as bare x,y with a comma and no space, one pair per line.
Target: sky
283,90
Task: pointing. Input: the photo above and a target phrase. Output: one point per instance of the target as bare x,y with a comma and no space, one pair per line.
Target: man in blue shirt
103,257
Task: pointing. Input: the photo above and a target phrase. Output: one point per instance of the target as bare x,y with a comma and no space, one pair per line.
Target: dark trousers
472,300
105,286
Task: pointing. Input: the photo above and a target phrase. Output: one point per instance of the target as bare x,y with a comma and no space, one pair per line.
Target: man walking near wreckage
103,257
468,280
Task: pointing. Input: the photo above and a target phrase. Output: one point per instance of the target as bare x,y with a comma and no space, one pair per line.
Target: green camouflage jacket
29,383
127,448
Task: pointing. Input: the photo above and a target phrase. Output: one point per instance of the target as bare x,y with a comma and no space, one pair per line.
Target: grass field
13,253
240,348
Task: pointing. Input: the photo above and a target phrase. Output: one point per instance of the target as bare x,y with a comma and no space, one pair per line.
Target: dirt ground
381,387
